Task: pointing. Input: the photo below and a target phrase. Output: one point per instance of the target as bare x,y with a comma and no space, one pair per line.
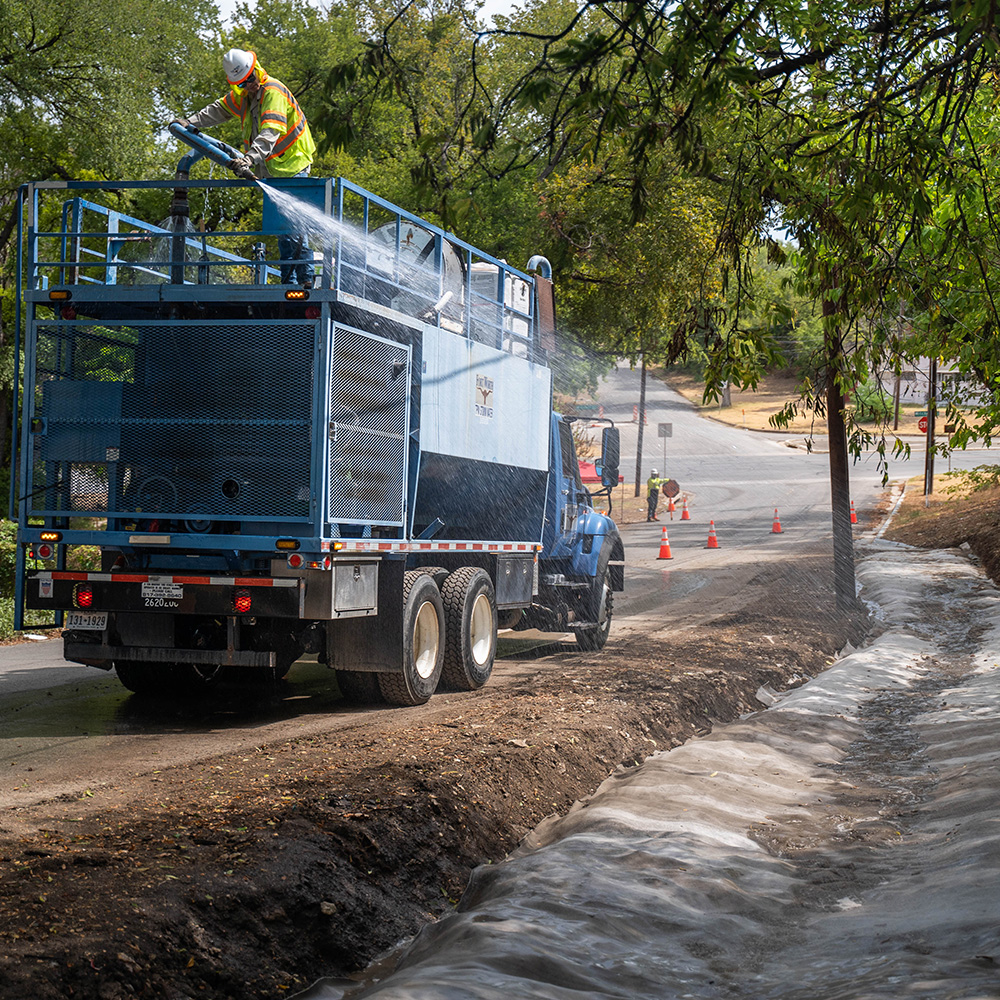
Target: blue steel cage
162,381
178,394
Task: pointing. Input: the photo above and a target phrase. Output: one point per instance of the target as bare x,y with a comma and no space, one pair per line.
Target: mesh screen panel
192,420
368,393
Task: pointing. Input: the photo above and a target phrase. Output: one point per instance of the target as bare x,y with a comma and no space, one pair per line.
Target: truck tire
470,614
600,607
438,573
423,643
359,687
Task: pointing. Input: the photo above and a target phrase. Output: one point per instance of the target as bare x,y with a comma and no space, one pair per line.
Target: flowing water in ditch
844,843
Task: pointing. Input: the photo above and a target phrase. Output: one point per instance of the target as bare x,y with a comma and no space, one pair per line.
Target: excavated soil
251,875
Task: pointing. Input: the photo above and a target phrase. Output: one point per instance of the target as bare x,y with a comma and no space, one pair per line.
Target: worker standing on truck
276,139
653,485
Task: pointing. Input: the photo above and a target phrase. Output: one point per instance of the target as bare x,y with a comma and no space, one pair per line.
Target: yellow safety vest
295,149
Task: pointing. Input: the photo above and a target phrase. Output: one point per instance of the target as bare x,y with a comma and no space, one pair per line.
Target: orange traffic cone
685,516
713,541
776,526
664,547
670,507
854,516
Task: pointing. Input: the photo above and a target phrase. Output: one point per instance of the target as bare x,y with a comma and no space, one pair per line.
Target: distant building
914,385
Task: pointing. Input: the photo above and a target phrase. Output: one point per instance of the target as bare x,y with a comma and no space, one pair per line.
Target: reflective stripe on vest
290,132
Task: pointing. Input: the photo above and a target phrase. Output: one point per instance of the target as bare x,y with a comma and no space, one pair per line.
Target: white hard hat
238,64
653,472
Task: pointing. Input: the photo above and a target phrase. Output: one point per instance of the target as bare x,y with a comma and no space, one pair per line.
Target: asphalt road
67,728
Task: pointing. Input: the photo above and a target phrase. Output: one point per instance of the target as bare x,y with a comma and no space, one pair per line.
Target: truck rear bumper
101,655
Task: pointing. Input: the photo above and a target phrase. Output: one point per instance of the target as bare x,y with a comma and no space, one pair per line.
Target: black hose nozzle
245,172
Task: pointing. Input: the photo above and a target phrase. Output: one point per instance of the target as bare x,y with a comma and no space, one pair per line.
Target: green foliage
577,368
8,557
32,619
627,288
853,128
871,402
775,309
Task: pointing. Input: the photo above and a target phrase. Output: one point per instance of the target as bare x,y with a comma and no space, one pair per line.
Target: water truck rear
368,469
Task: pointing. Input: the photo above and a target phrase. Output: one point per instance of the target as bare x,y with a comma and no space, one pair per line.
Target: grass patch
32,619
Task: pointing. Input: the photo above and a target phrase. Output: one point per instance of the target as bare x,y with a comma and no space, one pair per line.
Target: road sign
921,413
664,430
922,424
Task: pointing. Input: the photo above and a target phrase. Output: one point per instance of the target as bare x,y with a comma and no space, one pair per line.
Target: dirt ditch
251,875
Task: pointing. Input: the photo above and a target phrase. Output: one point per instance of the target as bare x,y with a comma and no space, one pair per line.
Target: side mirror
610,456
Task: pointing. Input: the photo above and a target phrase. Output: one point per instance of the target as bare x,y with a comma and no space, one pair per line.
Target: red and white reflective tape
376,545
217,581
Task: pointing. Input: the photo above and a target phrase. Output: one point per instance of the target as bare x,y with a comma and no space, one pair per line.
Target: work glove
243,167
183,122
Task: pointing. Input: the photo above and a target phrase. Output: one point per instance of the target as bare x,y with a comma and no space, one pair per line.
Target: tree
836,120
82,89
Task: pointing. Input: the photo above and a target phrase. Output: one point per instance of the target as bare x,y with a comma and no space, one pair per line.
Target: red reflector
84,596
295,560
312,312
68,312
242,601
44,551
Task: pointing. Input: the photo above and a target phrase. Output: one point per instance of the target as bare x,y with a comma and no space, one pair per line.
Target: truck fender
607,549
613,556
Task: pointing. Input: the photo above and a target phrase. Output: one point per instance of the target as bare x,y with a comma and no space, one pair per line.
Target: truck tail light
242,601
295,560
44,551
83,595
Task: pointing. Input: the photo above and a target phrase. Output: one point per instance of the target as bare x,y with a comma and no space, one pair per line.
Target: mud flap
374,644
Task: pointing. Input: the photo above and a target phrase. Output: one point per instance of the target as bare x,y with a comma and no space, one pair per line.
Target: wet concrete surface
843,843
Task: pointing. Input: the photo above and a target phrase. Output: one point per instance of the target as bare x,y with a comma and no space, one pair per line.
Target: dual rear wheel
449,634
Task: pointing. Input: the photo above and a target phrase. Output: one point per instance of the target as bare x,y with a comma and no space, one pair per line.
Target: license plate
96,620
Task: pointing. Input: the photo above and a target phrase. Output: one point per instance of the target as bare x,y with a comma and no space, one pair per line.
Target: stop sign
922,424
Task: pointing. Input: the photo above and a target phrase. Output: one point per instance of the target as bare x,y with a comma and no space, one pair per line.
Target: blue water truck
218,472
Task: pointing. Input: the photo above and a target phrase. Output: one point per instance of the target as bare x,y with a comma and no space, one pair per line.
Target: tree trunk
840,480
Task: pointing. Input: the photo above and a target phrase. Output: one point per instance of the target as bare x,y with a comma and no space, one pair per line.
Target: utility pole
929,442
642,421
